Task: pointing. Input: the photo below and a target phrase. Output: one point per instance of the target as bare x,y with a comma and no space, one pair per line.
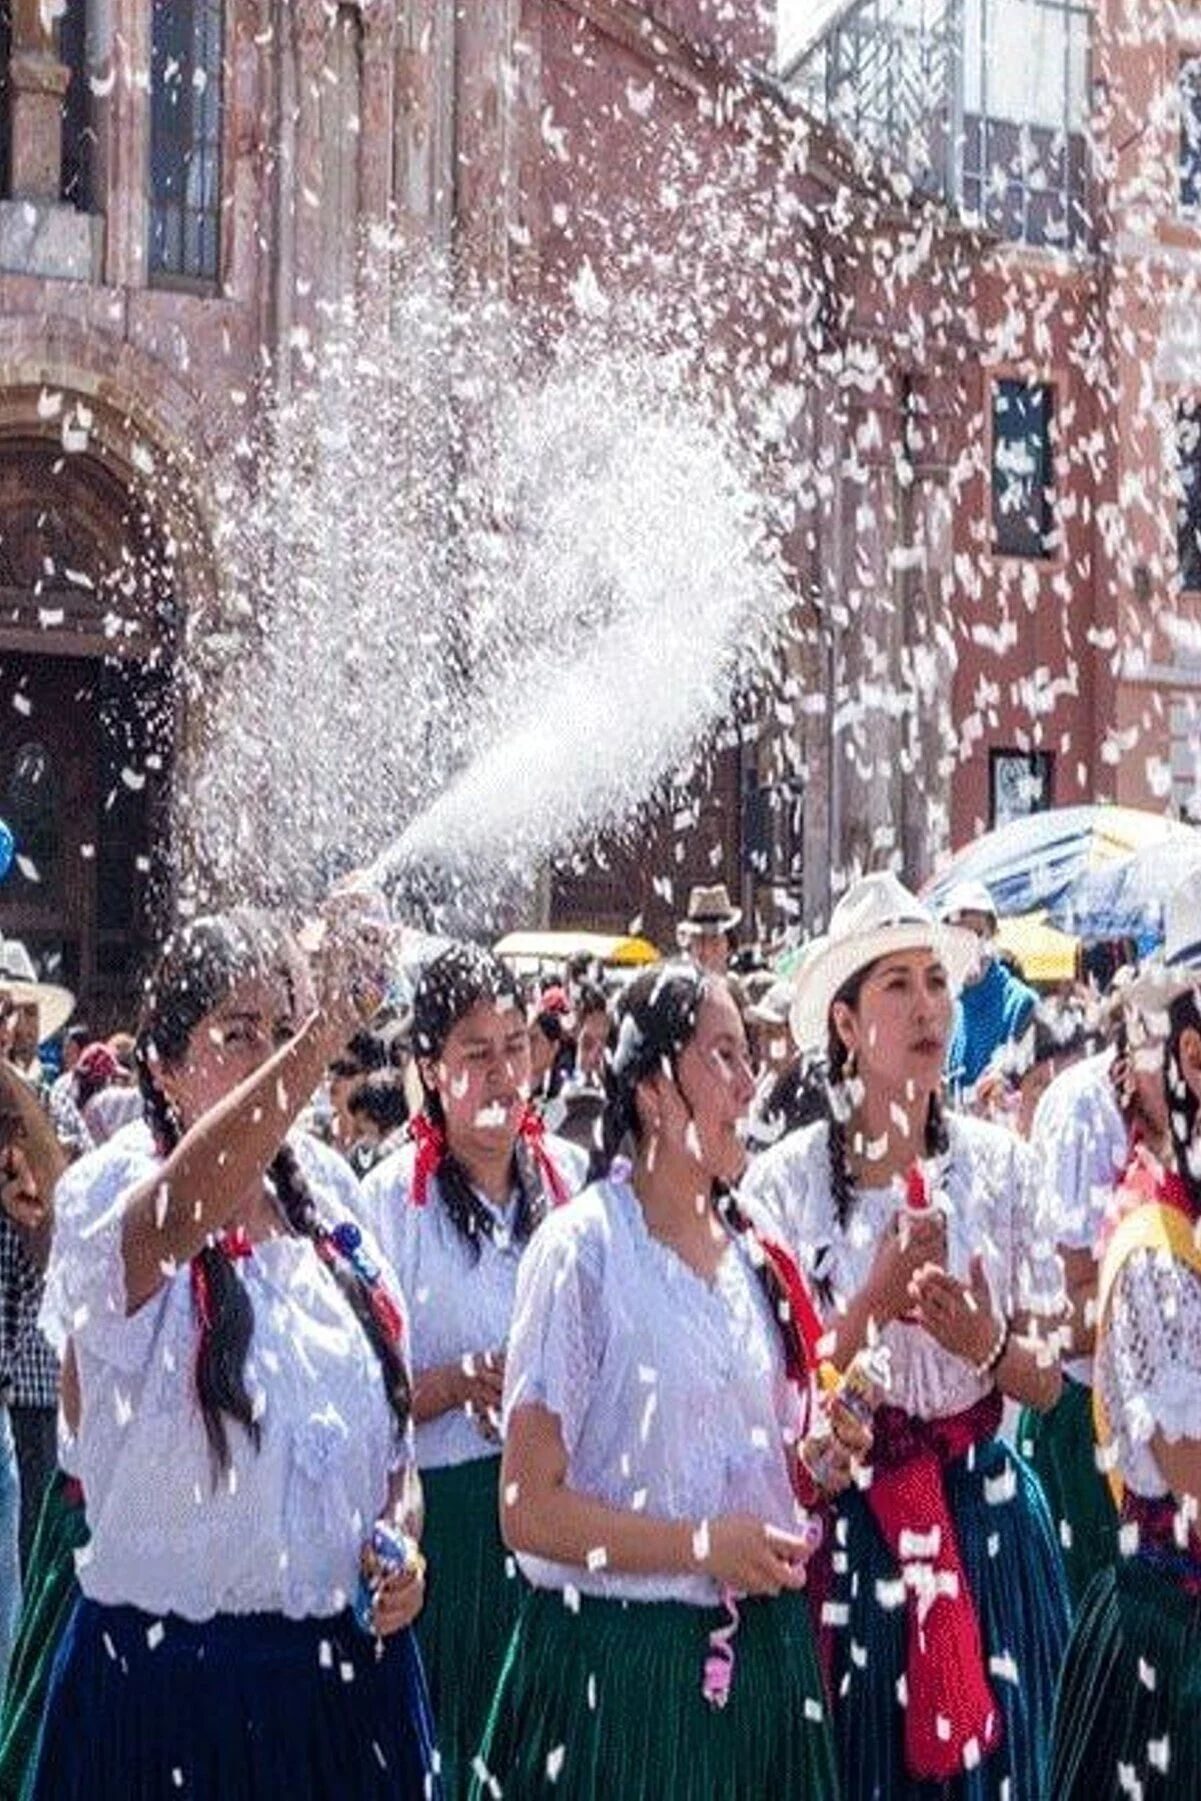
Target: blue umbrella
1126,899
1034,863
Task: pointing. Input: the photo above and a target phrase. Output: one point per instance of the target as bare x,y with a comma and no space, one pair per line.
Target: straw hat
876,917
19,983
709,914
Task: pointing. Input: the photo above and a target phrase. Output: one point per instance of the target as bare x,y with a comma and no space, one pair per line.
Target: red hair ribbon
430,1141
531,1129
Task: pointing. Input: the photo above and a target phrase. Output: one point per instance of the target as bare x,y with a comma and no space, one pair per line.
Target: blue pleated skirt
1015,1572
239,1707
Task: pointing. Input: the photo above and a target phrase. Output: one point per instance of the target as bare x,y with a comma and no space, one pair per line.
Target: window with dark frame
1190,131
1020,782
185,139
1188,501
78,135
1023,469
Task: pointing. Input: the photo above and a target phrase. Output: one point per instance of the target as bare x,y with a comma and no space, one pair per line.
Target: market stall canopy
1046,955
528,950
1126,899
1032,864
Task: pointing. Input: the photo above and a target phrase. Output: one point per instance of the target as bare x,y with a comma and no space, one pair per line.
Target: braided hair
1184,1108
199,967
450,986
657,1018
842,1186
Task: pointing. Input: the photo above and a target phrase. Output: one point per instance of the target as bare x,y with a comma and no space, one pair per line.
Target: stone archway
87,642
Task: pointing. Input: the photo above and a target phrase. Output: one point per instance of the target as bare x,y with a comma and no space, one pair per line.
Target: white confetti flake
554,1763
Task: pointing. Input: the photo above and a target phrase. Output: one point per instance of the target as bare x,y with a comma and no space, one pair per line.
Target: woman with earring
916,1230
656,1401
455,1211
243,1413
1128,1713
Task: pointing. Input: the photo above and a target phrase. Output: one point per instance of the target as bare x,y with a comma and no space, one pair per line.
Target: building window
1023,470
1188,503
185,138
1190,132
1019,783
78,135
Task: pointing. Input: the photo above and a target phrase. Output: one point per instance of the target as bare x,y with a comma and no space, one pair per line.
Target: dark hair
589,999
842,1186
200,965
365,1052
1183,1105
656,1020
458,979
380,1098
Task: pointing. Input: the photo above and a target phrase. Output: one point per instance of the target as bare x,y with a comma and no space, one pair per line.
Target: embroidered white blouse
1078,1147
1148,1368
460,1305
992,1208
669,1390
280,1531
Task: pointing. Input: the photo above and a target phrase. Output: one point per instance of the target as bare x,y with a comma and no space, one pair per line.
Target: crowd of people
694,1382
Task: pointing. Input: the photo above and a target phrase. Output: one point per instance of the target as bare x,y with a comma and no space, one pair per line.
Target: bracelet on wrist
988,1365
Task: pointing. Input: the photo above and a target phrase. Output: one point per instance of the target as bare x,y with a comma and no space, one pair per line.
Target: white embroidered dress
669,1390
460,1305
280,1531
992,1208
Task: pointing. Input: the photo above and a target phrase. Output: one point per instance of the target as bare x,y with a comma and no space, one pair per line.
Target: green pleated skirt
1015,1574
1128,1713
472,1595
601,1701
1060,1447
50,1592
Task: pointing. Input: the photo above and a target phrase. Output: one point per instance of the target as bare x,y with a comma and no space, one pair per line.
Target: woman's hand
350,963
911,1242
399,1594
839,1442
474,1385
959,1315
752,1557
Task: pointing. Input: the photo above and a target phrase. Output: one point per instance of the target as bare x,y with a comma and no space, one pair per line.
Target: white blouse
669,1390
1148,1368
1078,1148
280,1531
992,1208
460,1305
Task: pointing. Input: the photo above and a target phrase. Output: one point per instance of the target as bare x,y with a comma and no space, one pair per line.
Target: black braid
936,1139
221,1349
1184,1108
299,1208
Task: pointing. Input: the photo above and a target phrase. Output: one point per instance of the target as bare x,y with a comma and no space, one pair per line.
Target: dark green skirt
1015,1574
604,1703
472,1596
1060,1447
50,1592
1130,1698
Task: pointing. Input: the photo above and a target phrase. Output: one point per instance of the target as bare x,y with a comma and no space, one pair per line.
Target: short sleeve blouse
279,1531
460,1303
669,1390
1148,1365
992,1208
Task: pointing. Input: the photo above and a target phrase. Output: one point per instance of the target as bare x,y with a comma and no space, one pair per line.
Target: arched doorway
86,637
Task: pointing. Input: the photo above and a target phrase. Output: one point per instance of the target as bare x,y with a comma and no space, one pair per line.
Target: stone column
39,82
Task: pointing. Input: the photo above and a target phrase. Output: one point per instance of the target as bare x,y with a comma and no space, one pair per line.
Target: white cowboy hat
966,897
709,914
19,984
875,917
1178,966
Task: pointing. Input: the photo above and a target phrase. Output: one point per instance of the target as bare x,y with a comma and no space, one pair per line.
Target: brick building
978,392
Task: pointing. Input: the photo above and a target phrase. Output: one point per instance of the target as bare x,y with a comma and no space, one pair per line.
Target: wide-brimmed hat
876,917
19,983
966,897
1178,966
709,913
